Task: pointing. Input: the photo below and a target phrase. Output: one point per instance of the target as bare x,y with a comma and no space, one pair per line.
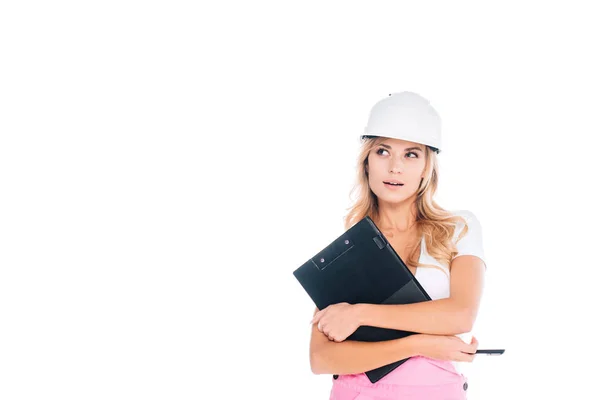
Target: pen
491,352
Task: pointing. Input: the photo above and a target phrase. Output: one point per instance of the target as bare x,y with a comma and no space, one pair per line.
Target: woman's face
396,160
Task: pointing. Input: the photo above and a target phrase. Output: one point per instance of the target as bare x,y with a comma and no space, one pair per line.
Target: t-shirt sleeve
472,242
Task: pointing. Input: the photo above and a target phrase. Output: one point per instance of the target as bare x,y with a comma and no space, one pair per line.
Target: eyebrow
407,149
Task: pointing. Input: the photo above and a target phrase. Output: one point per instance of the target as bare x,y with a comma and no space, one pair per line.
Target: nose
396,165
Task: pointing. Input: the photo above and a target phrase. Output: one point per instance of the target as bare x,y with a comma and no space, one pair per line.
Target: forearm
354,357
438,317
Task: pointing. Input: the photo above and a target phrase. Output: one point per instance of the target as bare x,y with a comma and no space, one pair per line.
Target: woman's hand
338,321
446,347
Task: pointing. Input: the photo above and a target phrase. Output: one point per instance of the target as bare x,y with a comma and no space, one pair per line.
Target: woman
397,179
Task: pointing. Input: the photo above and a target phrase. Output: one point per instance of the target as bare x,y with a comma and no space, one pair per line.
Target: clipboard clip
380,241
332,252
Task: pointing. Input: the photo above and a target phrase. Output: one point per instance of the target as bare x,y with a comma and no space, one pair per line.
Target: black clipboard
360,266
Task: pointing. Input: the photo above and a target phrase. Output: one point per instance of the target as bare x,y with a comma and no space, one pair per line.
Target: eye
381,149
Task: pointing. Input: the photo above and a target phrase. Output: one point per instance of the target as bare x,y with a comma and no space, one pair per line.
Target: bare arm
354,357
450,316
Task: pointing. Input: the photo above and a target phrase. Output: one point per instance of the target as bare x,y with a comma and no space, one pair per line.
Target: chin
393,199
396,198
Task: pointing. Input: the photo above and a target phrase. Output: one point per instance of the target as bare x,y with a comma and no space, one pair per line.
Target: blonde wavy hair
434,223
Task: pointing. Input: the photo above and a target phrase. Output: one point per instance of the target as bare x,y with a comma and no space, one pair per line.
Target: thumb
474,343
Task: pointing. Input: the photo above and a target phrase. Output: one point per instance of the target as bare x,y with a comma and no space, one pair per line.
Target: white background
165,166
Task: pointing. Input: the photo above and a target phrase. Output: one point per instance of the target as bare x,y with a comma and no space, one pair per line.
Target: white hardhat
406,116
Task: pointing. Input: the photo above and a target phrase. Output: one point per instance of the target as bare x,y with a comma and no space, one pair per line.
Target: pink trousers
418,378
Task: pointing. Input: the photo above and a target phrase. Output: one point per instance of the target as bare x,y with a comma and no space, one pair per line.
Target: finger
469,347
331,335
463,357
321,326
474,345
314,318
317,317
470,350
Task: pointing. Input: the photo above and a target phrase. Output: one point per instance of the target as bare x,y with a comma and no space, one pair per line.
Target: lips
394,183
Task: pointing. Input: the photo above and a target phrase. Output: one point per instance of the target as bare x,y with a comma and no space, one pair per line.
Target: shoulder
467,214
469,217
471,241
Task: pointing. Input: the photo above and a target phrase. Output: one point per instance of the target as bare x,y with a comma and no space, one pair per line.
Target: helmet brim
434,149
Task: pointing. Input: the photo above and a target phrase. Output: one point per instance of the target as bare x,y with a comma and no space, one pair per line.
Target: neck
399,218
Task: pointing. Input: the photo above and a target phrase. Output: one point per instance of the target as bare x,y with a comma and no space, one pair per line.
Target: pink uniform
418,378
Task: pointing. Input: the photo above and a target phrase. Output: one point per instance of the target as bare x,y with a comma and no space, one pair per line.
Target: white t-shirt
436,281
